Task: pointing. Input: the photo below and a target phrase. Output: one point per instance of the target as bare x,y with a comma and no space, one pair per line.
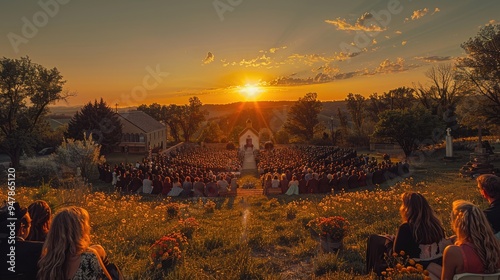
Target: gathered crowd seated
191,171
317,169
325,169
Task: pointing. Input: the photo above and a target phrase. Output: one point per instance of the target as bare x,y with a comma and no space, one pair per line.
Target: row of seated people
210,185
193,161
35,245
341,169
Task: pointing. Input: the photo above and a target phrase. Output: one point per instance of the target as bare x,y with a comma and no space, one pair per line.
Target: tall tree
211,133
444,92
481,67
398,98
170,115
356,108
303,117
406,127
191,117
97,120
154,110
173,116
343,131
26,89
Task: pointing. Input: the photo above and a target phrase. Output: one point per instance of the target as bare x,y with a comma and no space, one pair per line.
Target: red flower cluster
169,247
187,226
335,227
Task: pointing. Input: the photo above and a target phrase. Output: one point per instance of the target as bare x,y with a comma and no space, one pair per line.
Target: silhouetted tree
481,68
26,89
444,92
356,108
191,117
406,127
303,117
98,120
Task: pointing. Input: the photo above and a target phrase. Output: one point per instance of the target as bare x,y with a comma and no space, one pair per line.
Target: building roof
247,129
141,120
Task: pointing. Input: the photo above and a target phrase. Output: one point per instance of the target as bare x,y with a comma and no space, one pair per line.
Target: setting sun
250,90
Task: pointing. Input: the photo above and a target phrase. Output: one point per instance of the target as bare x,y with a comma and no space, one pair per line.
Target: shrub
210,206
335,227
268,145
272,203
213,242
187,226
291,210
173,210
401,267
167,250
230,146
41,169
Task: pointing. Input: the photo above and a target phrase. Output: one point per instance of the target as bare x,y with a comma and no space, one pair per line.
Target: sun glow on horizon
250,91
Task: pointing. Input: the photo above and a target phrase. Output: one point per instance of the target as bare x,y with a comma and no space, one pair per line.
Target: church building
249,137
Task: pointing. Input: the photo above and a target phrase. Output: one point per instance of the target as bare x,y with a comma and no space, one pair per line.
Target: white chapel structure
249,138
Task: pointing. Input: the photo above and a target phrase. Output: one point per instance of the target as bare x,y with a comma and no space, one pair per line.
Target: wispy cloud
209,58
434,58
328,73
492,22
387,66
417,14
274,50
262,60
319,78
364,23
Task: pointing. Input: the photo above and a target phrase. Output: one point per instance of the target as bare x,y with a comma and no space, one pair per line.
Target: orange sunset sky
223,51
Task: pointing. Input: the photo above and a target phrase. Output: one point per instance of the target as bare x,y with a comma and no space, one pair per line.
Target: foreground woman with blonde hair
476,249
67,253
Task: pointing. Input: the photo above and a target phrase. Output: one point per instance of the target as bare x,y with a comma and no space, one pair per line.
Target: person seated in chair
421,235
476,249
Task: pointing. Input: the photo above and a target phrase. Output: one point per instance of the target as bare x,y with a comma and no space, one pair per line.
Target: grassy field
254,237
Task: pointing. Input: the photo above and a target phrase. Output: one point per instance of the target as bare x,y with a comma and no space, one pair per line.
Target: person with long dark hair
420,236
40,214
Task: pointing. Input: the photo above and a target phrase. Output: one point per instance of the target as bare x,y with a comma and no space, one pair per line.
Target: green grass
254,237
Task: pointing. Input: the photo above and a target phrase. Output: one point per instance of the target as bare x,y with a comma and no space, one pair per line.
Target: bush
230,146
268,145
209,206
173,210
41,169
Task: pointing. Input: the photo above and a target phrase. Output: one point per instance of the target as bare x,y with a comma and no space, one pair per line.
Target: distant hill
271,114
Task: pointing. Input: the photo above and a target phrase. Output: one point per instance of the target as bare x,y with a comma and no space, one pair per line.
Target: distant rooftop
141,120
